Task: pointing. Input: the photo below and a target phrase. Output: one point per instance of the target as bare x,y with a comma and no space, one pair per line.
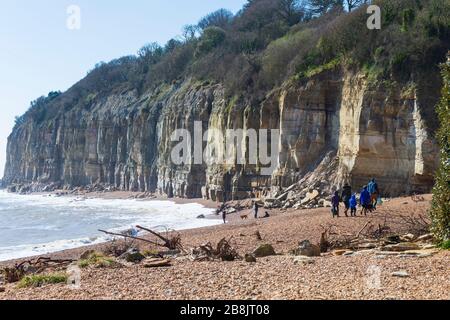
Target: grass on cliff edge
38,280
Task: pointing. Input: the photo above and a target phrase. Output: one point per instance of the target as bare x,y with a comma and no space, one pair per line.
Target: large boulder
264,250
132,255
250,258
306,248
311,195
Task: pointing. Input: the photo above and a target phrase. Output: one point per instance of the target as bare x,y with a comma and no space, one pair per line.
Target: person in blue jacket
372,187
353,204
365,201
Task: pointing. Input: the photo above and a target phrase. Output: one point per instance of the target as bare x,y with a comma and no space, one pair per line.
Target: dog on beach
244,216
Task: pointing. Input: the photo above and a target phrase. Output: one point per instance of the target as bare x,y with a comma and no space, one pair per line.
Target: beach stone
170,253
400,274
367,246
306,248
339,252
250,258
303,260
264,250
388,253
324,203
425,237
310,196
202,216
2,289
132,255
30,269
408,237
392,239
156,263
231,210
404,246
423,253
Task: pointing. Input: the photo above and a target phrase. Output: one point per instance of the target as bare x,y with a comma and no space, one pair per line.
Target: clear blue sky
38,53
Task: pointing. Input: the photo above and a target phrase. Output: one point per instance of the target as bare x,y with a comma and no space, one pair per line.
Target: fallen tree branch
360,231
131,237
173,243
170,243
223,251
39,265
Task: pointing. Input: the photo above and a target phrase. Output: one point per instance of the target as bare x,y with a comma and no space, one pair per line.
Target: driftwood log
35,266
172,243
222,251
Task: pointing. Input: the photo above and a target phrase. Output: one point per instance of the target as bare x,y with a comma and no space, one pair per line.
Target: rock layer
337,120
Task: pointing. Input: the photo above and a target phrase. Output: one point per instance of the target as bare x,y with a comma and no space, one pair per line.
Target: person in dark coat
255,209
346,195
335,204
224,216
365,201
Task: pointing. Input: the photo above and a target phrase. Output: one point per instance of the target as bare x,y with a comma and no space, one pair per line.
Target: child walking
353,204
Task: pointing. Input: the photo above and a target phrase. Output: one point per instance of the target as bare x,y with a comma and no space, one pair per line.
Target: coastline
276,277
128,195
71,253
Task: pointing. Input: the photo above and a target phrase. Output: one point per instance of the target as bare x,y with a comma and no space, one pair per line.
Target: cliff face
335,127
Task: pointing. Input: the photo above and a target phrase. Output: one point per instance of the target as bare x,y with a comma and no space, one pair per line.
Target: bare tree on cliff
353,4
320,7
220,18
291,11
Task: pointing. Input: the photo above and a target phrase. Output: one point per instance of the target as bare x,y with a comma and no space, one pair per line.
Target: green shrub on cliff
270,42
440,212
211,38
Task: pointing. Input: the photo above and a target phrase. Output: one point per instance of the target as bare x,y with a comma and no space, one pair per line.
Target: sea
40,224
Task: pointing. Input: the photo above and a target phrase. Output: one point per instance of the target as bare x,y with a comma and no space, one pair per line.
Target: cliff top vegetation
270,42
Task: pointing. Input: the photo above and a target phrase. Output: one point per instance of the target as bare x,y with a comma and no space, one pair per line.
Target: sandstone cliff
335,127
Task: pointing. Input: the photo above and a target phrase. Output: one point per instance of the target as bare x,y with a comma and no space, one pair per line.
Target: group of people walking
368,199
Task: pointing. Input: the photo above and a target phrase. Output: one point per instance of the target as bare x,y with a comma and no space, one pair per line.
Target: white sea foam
35,224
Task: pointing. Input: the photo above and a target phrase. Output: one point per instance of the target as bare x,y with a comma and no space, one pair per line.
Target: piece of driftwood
360,231
34,266
131,237
172,243
223,251
117,248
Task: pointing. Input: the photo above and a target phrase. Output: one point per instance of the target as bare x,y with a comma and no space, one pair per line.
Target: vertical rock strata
336,120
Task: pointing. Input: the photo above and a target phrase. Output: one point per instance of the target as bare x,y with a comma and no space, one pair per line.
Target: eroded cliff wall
334,128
